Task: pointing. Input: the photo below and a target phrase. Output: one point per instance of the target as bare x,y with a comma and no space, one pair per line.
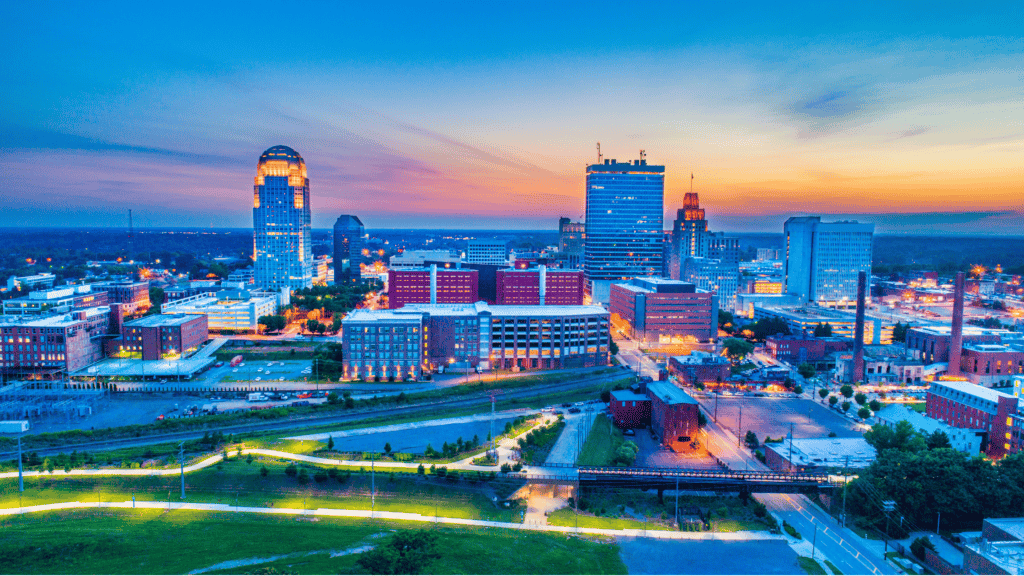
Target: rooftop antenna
691,182
643,156
599,153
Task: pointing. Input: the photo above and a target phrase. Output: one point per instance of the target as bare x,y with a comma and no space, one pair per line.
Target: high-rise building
824,258
282,233
689,234
432,285
625,205
663,311
480,251
540,287
713,275
348,248
724,248
570,241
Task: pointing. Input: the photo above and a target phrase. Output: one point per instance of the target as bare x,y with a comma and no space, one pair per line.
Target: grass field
810,565
178,542
602,442
241,483
567,517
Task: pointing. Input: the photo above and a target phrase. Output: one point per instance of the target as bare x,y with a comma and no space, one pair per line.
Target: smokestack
956,332
858,332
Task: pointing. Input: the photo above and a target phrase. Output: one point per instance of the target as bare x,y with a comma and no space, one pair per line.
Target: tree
726,321
899,332
798,389
823,392
702,420
613,348
900,437
336,324
769,327
387,448
863,413
846,390
156,297
846,406
832,400
330,442
919,545
938,439
861,398
823,330
264,471
875,405
737,349
291,470
606,396
806,370
408,552
751,439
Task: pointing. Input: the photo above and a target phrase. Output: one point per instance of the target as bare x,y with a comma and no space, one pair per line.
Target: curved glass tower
282,233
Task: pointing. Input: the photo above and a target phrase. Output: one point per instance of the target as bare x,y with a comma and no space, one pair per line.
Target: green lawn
156,542
833,568
566,517
810,565
241,483
602,442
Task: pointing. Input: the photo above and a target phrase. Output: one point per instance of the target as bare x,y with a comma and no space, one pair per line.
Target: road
352,416
841,546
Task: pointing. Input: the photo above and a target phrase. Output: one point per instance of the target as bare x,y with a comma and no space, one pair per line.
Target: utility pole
739,428
814,543
887,506
181,460
938,523
494,445
717,394
846,486
373,485
790,443
677,502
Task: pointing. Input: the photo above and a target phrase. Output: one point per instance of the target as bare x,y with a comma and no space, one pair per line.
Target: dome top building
282,229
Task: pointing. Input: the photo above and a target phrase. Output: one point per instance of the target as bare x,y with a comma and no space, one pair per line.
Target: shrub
291,470
919,545
264,471
320,476
790,530
421,470
506,468
517,467
303,477
332,472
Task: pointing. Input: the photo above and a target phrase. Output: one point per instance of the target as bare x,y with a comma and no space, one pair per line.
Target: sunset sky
483,115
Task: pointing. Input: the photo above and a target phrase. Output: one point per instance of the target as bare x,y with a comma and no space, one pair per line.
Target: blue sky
484,115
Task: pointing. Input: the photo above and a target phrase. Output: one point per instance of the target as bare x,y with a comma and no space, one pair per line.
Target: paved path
577,426
342,513
412,425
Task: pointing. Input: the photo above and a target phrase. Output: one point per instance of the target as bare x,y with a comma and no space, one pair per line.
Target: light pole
181,461
887,506
21,474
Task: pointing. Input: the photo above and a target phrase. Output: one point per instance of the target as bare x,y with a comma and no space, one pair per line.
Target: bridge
753,482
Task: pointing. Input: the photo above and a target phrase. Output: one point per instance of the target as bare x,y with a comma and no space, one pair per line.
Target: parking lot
262,371
773,416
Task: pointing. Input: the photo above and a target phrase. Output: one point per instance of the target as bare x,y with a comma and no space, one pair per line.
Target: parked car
574,410
628,432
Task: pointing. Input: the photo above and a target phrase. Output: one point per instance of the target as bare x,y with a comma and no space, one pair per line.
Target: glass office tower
282,232
348,248
624,237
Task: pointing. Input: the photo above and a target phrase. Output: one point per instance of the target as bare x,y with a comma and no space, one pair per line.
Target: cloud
910,133
21,138
831,104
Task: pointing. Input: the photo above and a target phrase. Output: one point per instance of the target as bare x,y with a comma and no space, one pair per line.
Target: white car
241,364
281,379
235,370
257,378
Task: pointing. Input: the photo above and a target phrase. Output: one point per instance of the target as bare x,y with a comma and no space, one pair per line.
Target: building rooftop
898,412
54,320
700,357
656,284
828,452
669,393
382,316
969,389
628,396
280,153
162,320
1012,526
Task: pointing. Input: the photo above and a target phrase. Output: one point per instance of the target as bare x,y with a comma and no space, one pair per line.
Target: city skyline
899,115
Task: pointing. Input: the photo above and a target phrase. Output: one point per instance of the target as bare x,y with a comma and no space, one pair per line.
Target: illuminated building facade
713,275
665,311
42,302
133,296
164,335
348,248
823,259
419,338
570,241
432,285
689,235
540,287
282,232
54,343
966,405
624,236
482,251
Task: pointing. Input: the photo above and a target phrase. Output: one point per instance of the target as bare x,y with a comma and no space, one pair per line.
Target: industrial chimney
858,332
956,332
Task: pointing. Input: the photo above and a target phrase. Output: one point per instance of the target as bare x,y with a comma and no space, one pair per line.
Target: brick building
700,366
54,343
432,285
57,300
819,455
802,348
931,343
154,337
133,296
991,364
540,286
629,409
673,415
966,405
999,550
664,311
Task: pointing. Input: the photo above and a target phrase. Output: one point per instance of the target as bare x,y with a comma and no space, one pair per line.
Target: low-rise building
673,416
540,286
33,344
629,409
227,309
966,405
133,296
466,336
964,440
657,310
700,366
931,343
802,348
999,550
819,454
432,285
44,280
991,364
803,319
55,301
164,335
